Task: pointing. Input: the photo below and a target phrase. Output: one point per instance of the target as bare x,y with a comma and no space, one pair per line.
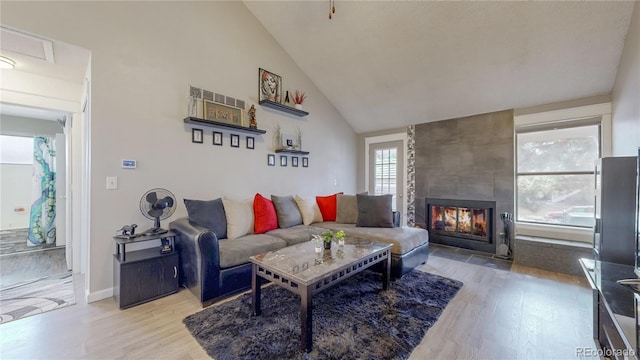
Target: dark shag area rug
354,319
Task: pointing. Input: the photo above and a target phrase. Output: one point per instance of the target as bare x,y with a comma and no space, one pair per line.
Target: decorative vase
341,242
327,245
298,106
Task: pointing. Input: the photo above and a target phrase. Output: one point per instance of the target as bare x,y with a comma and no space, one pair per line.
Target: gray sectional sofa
214,267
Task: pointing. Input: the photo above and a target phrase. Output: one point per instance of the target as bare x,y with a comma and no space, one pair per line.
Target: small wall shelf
198,121
292,152
283,108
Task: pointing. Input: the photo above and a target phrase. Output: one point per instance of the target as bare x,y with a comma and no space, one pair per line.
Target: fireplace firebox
462,223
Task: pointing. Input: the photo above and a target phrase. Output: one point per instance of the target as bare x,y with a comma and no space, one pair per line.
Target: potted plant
327,237
298,99
340,236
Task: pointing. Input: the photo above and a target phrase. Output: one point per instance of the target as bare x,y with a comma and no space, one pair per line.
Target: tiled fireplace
467,224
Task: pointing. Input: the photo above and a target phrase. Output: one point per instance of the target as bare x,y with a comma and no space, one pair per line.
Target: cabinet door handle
175,272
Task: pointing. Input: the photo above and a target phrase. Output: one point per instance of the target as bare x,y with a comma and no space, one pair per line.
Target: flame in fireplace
459,219
450,219
464,220
480,222
436,218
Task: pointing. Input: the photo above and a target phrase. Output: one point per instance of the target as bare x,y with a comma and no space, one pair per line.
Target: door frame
368,141
79,252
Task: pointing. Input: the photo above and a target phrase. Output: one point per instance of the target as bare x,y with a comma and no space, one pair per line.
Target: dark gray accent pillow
346,209
287,211
374,211
209,214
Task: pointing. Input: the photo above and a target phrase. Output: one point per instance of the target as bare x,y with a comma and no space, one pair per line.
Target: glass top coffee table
301,270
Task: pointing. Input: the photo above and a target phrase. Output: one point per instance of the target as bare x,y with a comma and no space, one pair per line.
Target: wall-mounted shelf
292,152
198,121
283,108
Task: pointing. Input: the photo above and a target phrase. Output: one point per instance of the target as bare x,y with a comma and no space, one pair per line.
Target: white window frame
562,116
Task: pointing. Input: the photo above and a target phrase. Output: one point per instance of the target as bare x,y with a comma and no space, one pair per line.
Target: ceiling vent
16,42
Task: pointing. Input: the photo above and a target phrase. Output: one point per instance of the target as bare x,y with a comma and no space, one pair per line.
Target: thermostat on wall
128,164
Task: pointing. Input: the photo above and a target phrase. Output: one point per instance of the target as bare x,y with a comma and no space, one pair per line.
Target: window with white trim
555,173
385,180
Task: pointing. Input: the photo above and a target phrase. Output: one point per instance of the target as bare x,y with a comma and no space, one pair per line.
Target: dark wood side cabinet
144,275
615,325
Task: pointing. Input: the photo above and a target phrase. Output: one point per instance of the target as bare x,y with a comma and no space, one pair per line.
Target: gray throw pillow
209,214
347,209
287,211
374,211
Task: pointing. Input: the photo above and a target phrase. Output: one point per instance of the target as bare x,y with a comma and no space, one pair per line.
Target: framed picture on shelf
222,113
305,162
196,136
217,138
269,86
235,140
283,160
271,160
294,161
250,142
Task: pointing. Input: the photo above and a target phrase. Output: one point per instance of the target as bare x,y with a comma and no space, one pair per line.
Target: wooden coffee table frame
307,290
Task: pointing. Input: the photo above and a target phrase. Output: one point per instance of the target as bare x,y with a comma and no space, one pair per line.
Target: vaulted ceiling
386,64
389,64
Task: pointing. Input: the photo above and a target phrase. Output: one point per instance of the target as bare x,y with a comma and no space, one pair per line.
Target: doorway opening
386,170
35,264
30,164
52,77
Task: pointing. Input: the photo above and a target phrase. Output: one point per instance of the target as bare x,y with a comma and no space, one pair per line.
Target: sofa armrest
199,258
396,218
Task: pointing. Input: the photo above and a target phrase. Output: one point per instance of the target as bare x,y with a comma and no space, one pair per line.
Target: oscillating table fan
157,204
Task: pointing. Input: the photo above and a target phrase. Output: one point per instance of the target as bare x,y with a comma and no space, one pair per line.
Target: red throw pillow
265,215
328,206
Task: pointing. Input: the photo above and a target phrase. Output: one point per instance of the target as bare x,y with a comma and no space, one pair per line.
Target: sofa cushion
309,210
265,215
287,211
296,234
347,209
402,239
239,217
209,214
375,210
327,205
237,251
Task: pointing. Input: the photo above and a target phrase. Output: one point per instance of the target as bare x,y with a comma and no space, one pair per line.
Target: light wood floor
521,314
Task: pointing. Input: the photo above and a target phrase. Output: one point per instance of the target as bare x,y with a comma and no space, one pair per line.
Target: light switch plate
112,182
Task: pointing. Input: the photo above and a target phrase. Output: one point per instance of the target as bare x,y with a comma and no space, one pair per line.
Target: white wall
626,93
144,56
15,191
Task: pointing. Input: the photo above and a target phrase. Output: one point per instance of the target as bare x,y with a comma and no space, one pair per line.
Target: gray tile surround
468,158
551,254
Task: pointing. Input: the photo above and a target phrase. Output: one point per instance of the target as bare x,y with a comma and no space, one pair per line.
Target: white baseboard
99,295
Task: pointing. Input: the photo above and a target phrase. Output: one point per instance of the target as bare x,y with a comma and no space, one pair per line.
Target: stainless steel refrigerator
614,230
